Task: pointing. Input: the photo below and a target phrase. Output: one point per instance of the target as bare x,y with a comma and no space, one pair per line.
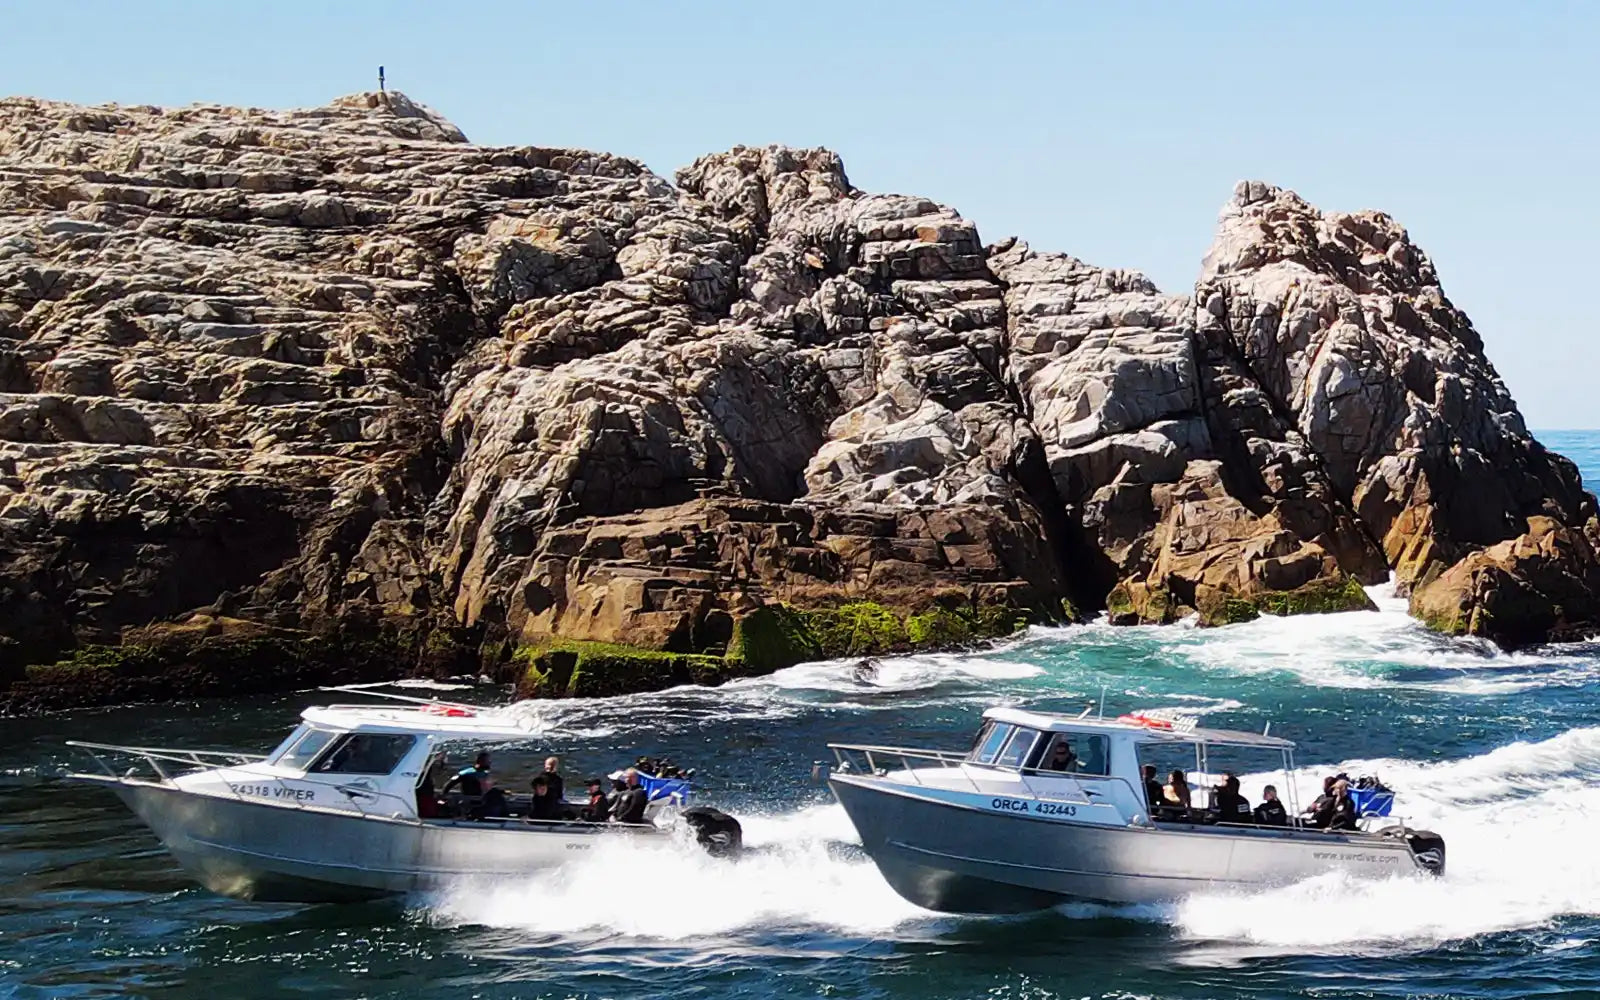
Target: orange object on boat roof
1147,721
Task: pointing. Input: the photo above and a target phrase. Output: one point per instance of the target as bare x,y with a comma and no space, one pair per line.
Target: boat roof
1149,727
443,719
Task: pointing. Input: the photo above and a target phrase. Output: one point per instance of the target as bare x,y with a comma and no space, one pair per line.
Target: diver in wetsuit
1342,815
1320,812
598,808
631,801
1231,806
477,787
544,805
552,774
1271,812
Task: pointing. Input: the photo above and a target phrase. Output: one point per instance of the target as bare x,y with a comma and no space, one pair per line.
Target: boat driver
1061,757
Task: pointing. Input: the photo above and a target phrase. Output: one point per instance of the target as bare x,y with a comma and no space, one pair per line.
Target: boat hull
960,859
253,850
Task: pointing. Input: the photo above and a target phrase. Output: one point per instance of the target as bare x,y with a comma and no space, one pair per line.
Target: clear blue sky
1113,131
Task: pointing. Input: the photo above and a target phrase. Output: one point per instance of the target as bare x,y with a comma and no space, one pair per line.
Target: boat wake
797,873
1517,820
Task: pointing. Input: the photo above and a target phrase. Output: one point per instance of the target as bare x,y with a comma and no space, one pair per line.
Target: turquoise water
1499,752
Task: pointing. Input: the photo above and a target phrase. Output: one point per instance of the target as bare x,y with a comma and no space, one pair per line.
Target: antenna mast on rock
380,79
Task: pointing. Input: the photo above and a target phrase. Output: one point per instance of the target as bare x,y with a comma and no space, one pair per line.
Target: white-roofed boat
332,813
996,829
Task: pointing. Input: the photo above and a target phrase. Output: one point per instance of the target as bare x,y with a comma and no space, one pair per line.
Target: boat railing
155,757
158,761
854,757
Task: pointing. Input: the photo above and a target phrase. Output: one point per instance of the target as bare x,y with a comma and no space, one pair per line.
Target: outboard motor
716,831
1426,846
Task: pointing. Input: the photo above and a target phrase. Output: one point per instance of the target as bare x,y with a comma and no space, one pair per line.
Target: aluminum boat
333,813
997,830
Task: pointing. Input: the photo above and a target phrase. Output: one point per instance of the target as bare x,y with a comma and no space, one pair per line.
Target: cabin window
366,753
304,750
990,742
1085,754
1016,751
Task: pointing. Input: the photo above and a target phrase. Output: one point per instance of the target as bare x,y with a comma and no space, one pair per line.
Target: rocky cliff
296,395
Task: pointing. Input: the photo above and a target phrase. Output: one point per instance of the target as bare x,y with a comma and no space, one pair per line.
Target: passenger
598,808
1320,812
1231,806
1061,757
474,780
545,806
631,801
552,774
1177,791
1271,812
1342,815
1152,788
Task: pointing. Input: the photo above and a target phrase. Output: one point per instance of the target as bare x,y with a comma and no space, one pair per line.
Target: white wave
893,674
1385,649
1517,823
794,879
427,685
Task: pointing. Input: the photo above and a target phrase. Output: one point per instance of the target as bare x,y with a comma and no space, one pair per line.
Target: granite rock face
337,371
1342,322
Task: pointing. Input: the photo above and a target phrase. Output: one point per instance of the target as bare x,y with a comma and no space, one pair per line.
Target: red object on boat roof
1149,722
452,711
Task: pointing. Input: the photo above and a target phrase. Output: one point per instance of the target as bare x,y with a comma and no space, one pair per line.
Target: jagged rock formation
337,371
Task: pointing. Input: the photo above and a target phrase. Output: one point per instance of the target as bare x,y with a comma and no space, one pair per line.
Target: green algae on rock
769,638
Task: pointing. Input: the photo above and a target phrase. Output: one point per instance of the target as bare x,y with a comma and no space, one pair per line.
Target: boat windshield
1003,745
991,740
300,750
366,753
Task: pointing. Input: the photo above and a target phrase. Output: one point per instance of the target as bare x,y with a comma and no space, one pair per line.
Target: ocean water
1499,752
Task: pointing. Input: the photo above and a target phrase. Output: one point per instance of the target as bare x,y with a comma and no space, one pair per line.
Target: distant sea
1499,752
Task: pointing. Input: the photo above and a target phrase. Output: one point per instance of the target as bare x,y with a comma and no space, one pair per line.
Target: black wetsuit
1232,807
1342,815
546,806
558,785
1153,793
1321,812
629,806
1272,813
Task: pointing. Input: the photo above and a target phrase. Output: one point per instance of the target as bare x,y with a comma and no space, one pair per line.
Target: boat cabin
1082,767
1092,749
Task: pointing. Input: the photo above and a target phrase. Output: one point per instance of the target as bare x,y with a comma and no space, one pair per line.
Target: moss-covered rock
859,628
573,668
939,627
767,639
771,638
1315,598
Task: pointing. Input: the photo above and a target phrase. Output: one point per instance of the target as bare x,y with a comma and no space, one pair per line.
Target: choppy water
1499,752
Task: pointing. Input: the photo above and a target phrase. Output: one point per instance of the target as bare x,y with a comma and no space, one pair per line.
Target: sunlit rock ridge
288,395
